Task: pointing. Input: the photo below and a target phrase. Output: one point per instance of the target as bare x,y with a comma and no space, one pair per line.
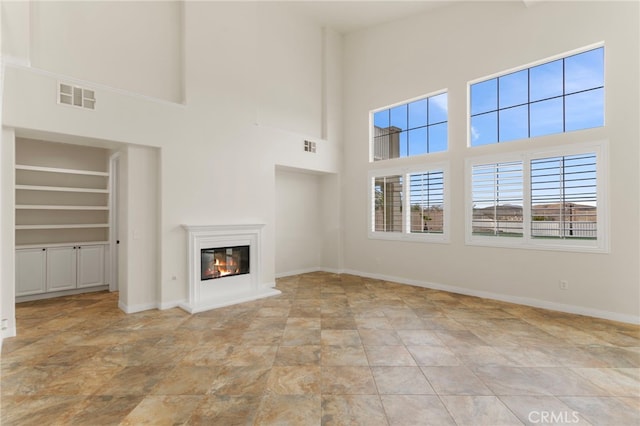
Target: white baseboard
297,272
527,301
170,305
136,308
9,332
230,300
307,271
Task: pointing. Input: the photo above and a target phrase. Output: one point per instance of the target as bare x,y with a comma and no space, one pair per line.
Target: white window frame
406,234
599,245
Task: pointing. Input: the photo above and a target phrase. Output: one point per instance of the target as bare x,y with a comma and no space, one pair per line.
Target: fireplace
223,262
224,265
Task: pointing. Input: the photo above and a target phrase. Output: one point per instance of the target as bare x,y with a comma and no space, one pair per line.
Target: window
564,197
538,199
554,97
388,204
409,203
426,196
497,199
413,128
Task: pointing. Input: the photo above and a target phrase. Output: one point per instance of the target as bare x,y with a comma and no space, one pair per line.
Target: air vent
76,96
310,146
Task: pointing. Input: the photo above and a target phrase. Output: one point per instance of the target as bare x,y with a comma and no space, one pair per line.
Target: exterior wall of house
446,49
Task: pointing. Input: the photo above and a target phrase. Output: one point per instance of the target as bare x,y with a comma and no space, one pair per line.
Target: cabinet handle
44,249
79,247
74,247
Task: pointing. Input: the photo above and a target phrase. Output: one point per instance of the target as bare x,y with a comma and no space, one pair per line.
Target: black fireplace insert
224,262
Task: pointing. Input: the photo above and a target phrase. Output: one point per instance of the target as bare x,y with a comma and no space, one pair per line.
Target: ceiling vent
76,96
310,146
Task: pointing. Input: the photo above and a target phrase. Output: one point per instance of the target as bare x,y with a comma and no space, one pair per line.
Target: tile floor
331,350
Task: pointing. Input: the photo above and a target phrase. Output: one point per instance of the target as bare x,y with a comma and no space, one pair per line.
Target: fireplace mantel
211,294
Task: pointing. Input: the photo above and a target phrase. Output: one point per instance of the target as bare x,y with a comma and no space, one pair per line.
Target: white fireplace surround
230,290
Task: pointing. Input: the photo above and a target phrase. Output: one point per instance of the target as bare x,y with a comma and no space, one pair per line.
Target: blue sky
561,95
423,124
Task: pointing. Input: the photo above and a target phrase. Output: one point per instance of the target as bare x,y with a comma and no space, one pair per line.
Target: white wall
140,229
7,232
298,222
444,50
250,103
15,30
246,113
135,46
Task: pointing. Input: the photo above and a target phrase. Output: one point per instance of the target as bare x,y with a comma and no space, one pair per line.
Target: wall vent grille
76,96
310,146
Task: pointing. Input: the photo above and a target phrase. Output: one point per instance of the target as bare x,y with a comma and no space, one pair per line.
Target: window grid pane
407,130
426,195
497,199
564,197
388,204
577,81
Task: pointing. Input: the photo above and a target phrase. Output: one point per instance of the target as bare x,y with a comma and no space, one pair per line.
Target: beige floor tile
39,410
339,323
433,355
300,336
479,410
289,410
455,381
343,355
294,380
162,410
412,410
225,410
603,410
374,337
533,410
340,337
347,381
396,355
615,381
536,381
347,410
186,380
239,381
420,338
331,349
401,381
298,355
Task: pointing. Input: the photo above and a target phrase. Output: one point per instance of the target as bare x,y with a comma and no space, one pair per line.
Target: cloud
440,101
475,135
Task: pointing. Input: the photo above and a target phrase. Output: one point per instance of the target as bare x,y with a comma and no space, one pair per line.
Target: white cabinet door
90,266
61,268
30,271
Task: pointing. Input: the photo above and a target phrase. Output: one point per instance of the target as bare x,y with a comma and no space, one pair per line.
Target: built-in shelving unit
61,220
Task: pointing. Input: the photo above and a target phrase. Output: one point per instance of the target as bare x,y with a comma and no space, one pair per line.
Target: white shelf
71,243
57,207
69,226
59,170
61,189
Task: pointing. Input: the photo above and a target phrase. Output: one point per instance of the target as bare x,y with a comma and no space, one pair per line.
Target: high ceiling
353,15
349,16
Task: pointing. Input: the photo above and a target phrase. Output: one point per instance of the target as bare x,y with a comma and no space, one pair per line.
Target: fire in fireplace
224,262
